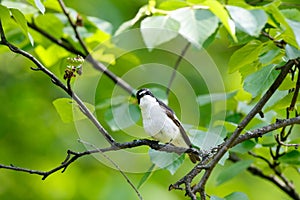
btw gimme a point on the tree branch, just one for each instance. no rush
(57, 82)
(286, 186)
(73, 156)
(257, 108)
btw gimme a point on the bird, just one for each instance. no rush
(161, 123)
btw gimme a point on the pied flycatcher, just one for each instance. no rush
(161, 123)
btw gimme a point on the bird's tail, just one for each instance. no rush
(194, 156)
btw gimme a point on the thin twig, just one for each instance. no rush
(117, 167)
(284, 144)
(57, 82)
(178, 61)
(288, 188)
(257, 108)
(74, 26)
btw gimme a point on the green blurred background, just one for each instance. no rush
(33, 136)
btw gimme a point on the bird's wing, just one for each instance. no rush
(172, 116)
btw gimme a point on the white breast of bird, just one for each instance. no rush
(158, 125)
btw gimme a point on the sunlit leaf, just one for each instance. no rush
(195, 25)
(20, 19)
(232, 171)
(245, 55)
(249, 21)
(4, 13)
(51, 55)
(69, 111)
(158, 29)
(218, 9)
(40, 6)
(172, 4)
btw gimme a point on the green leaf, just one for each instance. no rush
(40, 6)
(296, 29)
(293, 14)
(69, 111)
(249, 21)
(280, 100)
(51, 23)
(291, 158)
(114, 101)
(165, 160)
(211, 98)
(195, 25)
(232, 171)
(291, 52)
(51, 55)
(243, 147)
(128, 24)
(101, 24)
(237, 196)
(4, 13)
(146, 176)
(172, 4)
(122, 116)
(216, 198)
(158, 29)
(218, 9)
(281, 22)
(261, 80)
(245, 55)
(20, 19)
(205, 139)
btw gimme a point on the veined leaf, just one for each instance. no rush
(218, 9)
(261, 80)
(158, 29)
(245, 55)
(249, 21)
(69, 111)
(232, 171)
(195, 25)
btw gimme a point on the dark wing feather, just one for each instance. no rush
(171, 114)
